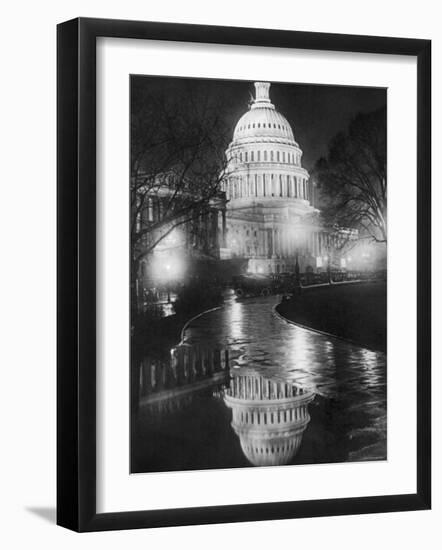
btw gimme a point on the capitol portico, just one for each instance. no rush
(272, 219)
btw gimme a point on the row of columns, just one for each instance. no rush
(269, 417)
(282, 243)
(284, 450)
(250, 387)
(268, 185)
(265, 156)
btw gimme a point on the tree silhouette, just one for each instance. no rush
(352, 180)
(177, 160)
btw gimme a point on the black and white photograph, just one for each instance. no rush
(258, 271)
(216, 331)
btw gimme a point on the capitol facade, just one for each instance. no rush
(272, 220)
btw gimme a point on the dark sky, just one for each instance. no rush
(315, 112)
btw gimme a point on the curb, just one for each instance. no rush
(187, 323)
(323, 332)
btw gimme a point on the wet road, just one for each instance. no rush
(348, 413)
(260, 340)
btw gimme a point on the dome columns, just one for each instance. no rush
(269, 417)
(267, 188)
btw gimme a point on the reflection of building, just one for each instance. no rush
(269, 418)
(271, 213)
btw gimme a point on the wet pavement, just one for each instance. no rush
(185, 418)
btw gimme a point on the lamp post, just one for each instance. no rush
(297, 267)
(168, 282)
(296, 242)
(329, 277)
(297, 276)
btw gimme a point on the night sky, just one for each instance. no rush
(315, 112)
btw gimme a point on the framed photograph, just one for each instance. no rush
(243, 274)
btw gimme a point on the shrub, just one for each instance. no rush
(196, 297)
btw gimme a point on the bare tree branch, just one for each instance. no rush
(352, 179)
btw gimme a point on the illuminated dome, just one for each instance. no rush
(269, 417)
(263, 120)
(263, 159)
(271, 216)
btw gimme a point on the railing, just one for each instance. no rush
(189, 369)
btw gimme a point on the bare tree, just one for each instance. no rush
(353, 178)
(178, 142)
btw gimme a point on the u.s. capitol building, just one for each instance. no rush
(271, 215)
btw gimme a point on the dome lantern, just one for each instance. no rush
(262, 97)
(267, 189)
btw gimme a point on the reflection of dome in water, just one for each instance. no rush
(269, 418)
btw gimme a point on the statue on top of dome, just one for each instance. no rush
(262, 96)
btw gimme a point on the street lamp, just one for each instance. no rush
(297, 275)
(167, 267)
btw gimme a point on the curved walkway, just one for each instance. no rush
(335, 369)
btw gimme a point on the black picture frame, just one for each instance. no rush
(76, 273)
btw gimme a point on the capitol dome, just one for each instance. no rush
(269, 193)
(263, 120)
(263, 159)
